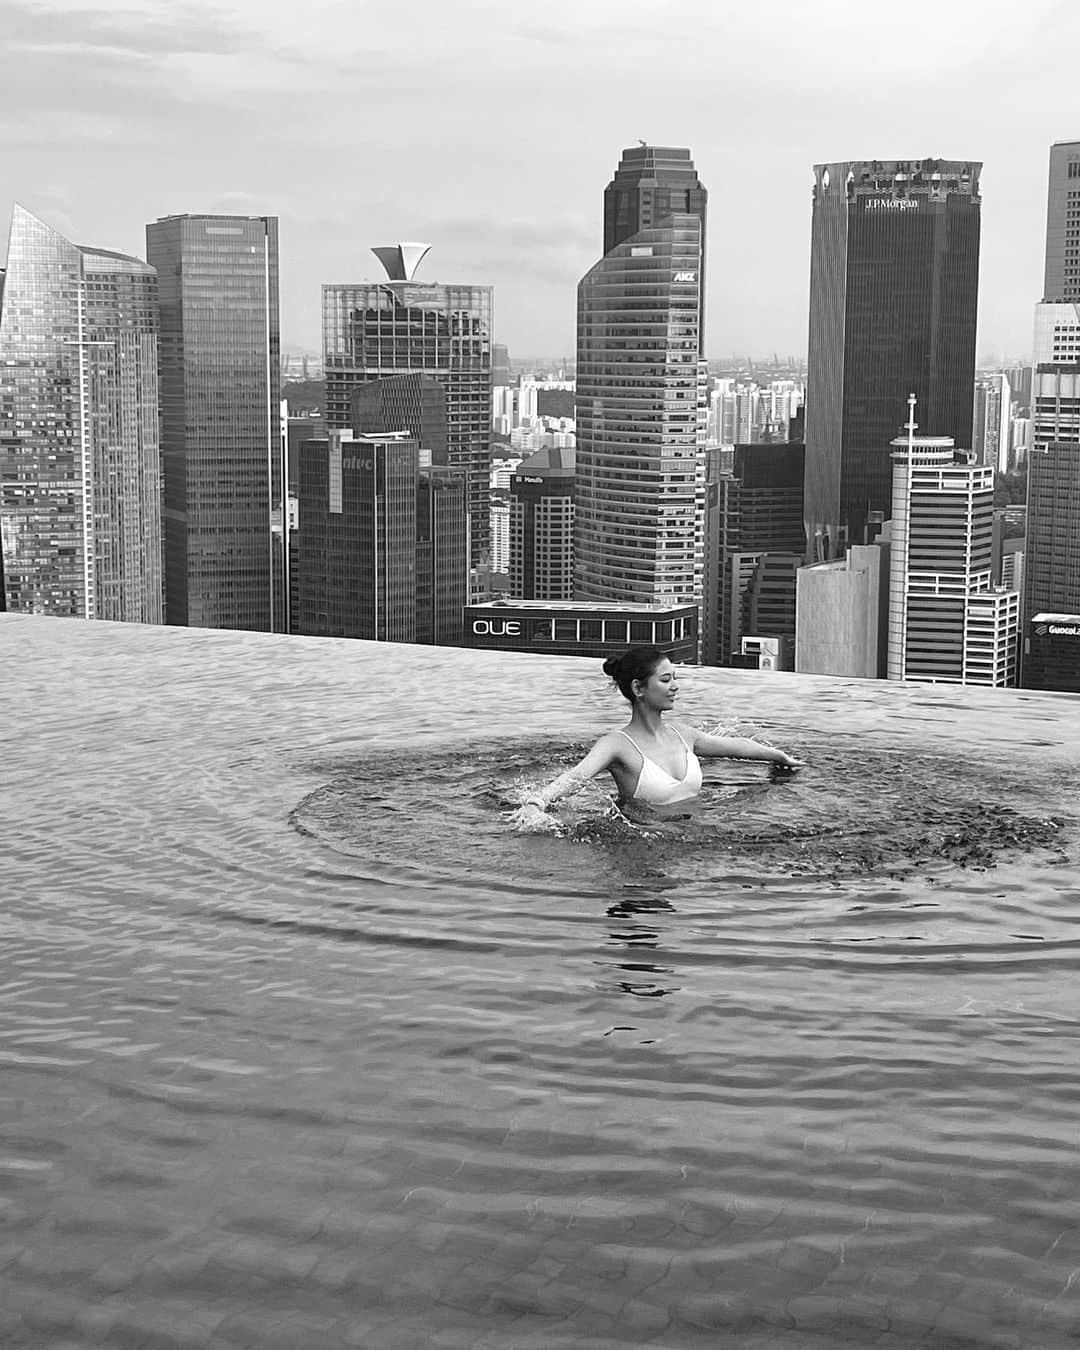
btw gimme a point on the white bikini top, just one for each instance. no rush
(656, 786)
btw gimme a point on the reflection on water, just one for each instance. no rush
(301, 1046)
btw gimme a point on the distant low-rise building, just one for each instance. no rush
(580, 628)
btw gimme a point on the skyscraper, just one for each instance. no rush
(947, 622)
(755, 539)
(894, 273)
(220, 420)
(542, 526)
(80, 471)
(1061, 278)
(358, 536)
(641, 411)
(992, 422)
(383, 544)
(1052, 561)
(375, 330)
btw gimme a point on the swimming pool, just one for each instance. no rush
(301, 1047)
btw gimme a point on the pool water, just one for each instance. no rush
(303, 1046)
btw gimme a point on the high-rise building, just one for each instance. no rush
(755, 539)
(992, 421)
(80, 467)
(383, 549)
(894, 273)
(220, 420)
(376, 330)
(1052, 562)
(542, 527)
(358, 536)
(1061, 278)
(1052, 555)
(442, 555)
(947, 622)
(417, 403)
(641, 381)
(841, 615)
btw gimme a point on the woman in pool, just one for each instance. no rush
(651, 763)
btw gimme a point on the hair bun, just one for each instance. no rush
(611, 667)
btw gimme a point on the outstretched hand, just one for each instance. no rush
(530, 818)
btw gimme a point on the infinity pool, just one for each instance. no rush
(301, 1046)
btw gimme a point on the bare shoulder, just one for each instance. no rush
(613, 745)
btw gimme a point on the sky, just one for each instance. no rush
(490, 128)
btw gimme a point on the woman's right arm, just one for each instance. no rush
(537, 803)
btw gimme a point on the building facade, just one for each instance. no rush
(357, 501)
(947, 622)
(992, 421)
(1052, 653)
(220, 420)
(80, 466)
(641, 409)
(378, 330)
(1052, 552)
(894, 274)
(754, 542)
(442, 555)
(1061, 276)
(542, 527)
(841, 614)
(581, 629)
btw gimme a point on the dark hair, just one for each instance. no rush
(637, 663)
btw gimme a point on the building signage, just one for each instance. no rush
(496, 627)
(890, 203)
(1059, 629)
(529, 479)
(358, 462)
(685, 276)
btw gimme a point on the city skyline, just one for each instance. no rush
(191, 70)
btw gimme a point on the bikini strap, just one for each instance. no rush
(686, 743)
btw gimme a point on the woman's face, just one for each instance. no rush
(660, 689)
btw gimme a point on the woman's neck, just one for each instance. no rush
(650, 721)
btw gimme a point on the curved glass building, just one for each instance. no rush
(640, 490)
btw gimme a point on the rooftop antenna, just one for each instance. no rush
(911, 426)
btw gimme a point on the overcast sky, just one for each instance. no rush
(489, 129)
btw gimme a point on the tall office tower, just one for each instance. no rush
(417, 403)
(358, 496)
(499, 521)
(894, 274)
(1061, 277)
(220, 420)
(992, 421)
(80, 469)
(641, 380)
(542, 527)
(375, 330)
(442, 555)
(500, 365)
(947, 622)
(1052, 560)
(755, 538)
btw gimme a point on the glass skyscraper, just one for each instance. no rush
(641, 413)
(80, 471)
(894, 275)
(377, 330)
(220, 420)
